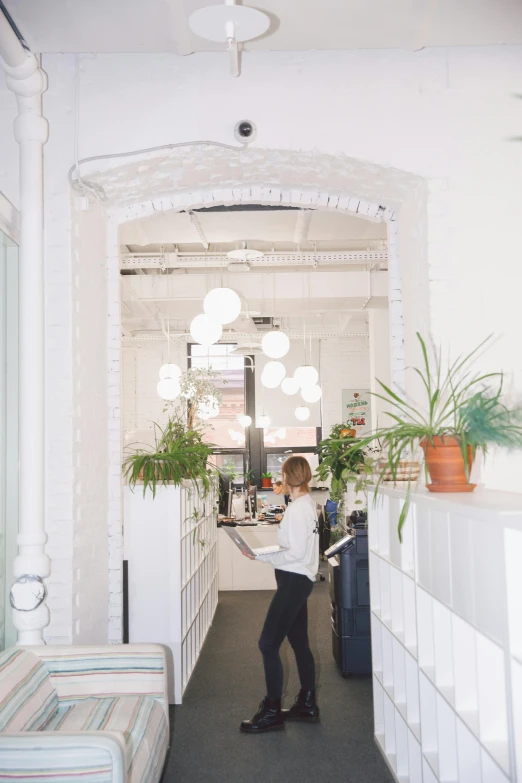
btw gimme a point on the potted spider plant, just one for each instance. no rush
(266, 480)
(344, 463)
(463, 411)
(178, 455)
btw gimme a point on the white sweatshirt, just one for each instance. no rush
(298, 534)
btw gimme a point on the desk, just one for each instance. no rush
(237, 572)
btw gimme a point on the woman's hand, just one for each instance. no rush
(247, 554)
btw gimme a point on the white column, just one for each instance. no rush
(380, 362)
(26, 79)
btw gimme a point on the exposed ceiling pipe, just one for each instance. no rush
(164, 261)
(302, 226)
(197, 225)
(28, 82)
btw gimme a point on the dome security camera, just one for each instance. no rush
(245, 131)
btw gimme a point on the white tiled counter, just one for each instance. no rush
(447, 635)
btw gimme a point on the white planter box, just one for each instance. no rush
(170, 545)
(447, 636)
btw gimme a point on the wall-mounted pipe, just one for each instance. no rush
(28, 82)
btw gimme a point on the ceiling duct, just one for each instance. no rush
(248, 348)
(263, 323)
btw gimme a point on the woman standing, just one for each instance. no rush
(295, 570)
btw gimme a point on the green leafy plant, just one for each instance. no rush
(228, 470)
(459, 403)
(179, 455)
(343, 461)
(266, 475)
(198, 392)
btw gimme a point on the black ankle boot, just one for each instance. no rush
(267, 718)
(304, 709)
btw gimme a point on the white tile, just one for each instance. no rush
(513, 554)
(446, 740)
(428, 715)
(426, 649)
(465, 672)
(468, 754)
(492, 703)
(440, 558)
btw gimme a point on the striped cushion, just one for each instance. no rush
(27, 697)
(107, 671)
(139, 719)
(56, 765)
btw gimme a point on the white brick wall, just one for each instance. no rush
(59, 356)
(428, 140)
(141, 362)
(94, 345)
(345, 364)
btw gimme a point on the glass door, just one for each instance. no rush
(8, 430)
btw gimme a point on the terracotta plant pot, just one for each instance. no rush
(266, 483)
(446, 465)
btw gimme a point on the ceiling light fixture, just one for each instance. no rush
(273, 374)
(290, 386)
(302, 413)
(231, 24)
(244, 254)
(306, 375)
(208, 410)
(222, 305)
(169, 371)
(244, 420)
(263, 421)
(311, 393)
(275, 344)
(168, 388)
(205, 330)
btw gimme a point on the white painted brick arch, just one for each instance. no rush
(193, 178)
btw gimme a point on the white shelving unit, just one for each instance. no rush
(171, 547)
(447, 636)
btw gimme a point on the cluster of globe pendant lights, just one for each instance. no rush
(275, 345)
(222, 306)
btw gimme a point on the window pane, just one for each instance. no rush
(225, 429)
(290, 436)
(274, 462)
(229, 463)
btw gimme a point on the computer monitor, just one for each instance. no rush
(225, 495)
(252, 499)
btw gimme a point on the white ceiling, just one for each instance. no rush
(161, 25)
(330, 301)
(263, 230)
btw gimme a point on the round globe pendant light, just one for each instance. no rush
(169, 371)
(302, 413)
(205, 330)
(306, 375)
(168, 388)
(208, 410)
(311, 393)
(275, 344)
(263, 421)
(222, 305)
(273, 374)
(289, 386)
(244, 420)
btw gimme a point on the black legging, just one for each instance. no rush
(287, 616)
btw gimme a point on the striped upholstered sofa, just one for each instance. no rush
(90, 714)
